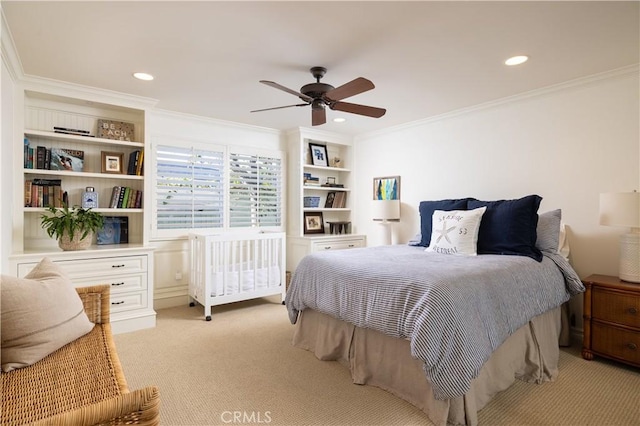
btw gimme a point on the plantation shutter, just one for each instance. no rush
(255, 191)
(189, 188)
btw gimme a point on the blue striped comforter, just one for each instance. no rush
(455, 310)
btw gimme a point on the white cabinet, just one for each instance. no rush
(129, 272)
(333, 181)
(128, 268)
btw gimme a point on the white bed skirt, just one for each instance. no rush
(530, 354)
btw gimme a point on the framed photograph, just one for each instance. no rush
(313, 223)
(386, 188)
(331, 196)
(319, 156)
(112, 162)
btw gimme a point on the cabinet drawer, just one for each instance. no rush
(118, 283)
(336, 245)
(616, 307)
(106, 266)
(127, 302)
(616, 342)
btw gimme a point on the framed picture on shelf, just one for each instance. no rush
(313, 223)
(112, 162)
(319, 156)
(331, 196)
(386, 188)
(114, 231)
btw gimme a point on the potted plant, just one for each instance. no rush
(72, 227)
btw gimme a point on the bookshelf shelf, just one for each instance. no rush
(82, 174)
(81, 139)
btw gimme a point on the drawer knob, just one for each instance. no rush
(632, 311)
(117, 284)
(327, 248)
(117, 303)
(352, 245)
(632, 346)
(117, 266)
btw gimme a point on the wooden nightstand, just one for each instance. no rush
(611, 319)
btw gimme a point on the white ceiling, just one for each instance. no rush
(425, 58)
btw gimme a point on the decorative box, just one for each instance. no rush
(311, 201)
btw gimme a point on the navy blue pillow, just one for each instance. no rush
(426, 215)
(509, 226)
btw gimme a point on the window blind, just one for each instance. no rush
(255, 190)
(189, 188)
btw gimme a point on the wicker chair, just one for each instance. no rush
(81, 383)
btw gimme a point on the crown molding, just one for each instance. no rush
(8, 50)
(570, 84)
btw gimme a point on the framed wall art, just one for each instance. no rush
(319, 156)
(386, 188)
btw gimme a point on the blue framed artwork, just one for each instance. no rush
(386, 188)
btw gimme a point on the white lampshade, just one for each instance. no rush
(620, 209)
(623, 209)
(386, 209)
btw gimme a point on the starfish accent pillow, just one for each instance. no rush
(455, 231)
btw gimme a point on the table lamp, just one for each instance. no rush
(384, 211)
(623, 209)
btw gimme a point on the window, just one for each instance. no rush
(205, 187)
(189, 188)
(255, 191)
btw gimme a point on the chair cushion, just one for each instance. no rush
(40, 313)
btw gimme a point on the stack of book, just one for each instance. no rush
(336, 200)
(44, 193)
(44, 158)
(124, 197)
(136, 161)
(310, 180)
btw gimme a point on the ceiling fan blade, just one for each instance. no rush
(318, 116)
(286, 106)
(286, 89)
(352, 88)
(359, 109)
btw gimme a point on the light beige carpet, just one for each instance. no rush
(240, 368)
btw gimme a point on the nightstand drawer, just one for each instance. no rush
(616, 307)
(336, 245)
(616, 342)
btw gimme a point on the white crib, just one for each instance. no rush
(228, 268)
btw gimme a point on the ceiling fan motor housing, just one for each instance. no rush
(315, 90)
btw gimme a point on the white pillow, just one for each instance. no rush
(455, 231)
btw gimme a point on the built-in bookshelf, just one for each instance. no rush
(63, 155)
(319, 192)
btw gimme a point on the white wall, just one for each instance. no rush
(567, 144)
(6, 158)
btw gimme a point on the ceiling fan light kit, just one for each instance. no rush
(320, 95)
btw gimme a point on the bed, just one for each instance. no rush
(444, 332)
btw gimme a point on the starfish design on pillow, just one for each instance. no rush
(444, 231)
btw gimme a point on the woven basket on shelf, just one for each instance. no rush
(76, 243)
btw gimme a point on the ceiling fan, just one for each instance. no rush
(320, 95)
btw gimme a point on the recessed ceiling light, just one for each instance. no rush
(516, 60)
(143, 76)
(339, 120)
